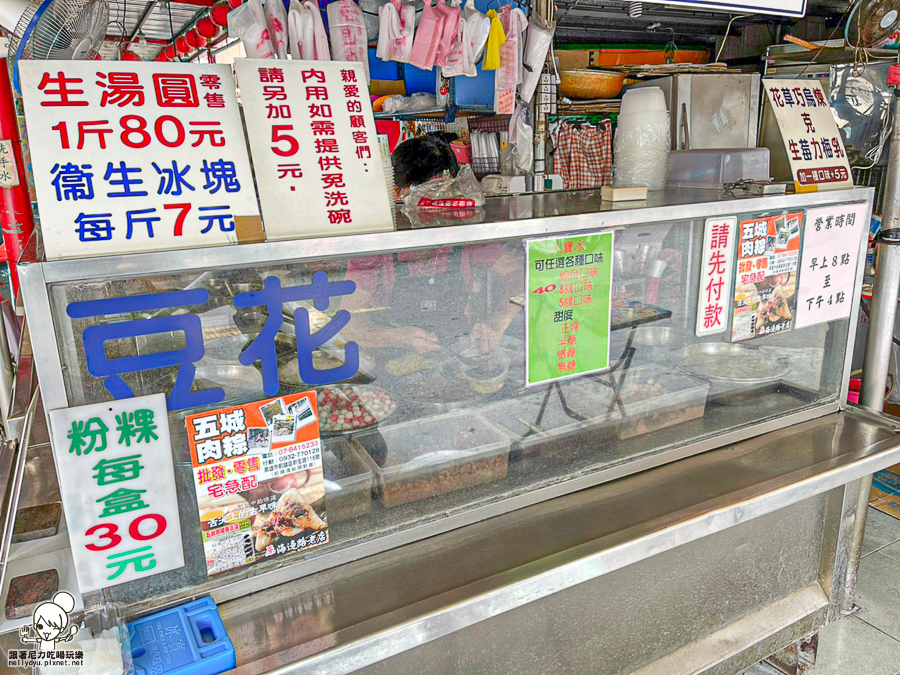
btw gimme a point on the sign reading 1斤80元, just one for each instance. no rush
(134, 157)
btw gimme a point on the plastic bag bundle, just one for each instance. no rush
(248, 22)
(428, 34)
(521, 138)
(496, 37)
(537, 44)
(395, 34)
(479, 27)
(447, 192)
(449, 32)
(348, 33)
(471, 34)
(276, 22)
(306, 30)
(509, 74)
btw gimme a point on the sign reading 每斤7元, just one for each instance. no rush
(132, 157)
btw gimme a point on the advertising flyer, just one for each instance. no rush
(568, 303)
(258, 476)
(766, 277)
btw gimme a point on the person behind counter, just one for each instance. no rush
(422, 299)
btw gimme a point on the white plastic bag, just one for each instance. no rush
(348, 33)
(248, 22)
(395, 34)
(521, 139)
(461, 60)
(537, 44)
(276, 22)
(479, 27)
(307, 36)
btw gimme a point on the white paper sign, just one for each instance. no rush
(829, 261)
(135, 156)
(814, 146)
(314, 146)
(9, 172)
(770, 7)
(716, 276)
(114, 462)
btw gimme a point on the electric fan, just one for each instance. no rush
(52, 29)
(871, 22)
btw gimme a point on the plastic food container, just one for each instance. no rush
(348, 481)
(557, 431)
(434, 456)
(654, 397)
(711, 168)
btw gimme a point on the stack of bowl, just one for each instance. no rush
(642, 139)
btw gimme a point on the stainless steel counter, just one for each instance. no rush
(775, 508)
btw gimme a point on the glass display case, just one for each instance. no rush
(415, 344)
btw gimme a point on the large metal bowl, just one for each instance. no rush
(732, 363)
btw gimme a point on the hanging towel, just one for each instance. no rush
(428, 34)
(584, 157)
(448, 33)
(395, 31)
(496, 37)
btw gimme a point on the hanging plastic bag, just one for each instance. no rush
(276, 22)
(348, 33)
(395, 34)
(449, 32)
(320, 37)
(306, 32)
(537, 44)
(461, 60)
(509, 74)
(248, 22)
(496, 38)
(521, 139)
(478, 27)
(428, 34)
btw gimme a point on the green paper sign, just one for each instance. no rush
(568, 303)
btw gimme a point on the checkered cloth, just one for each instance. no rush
(583, 156)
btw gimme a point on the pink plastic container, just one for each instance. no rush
(462, 150)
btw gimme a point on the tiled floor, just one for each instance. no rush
(869, 641)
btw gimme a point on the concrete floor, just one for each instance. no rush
(868, 642)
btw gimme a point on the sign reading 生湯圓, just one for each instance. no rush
(315, 148)
(568, 286)
(814, 147)
(258, 476)
(829, 262)
(114, 462)
(132, 157)
(768, 254)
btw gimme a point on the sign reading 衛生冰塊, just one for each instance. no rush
(815, 149)
(132, 157)
(314, 146)
(568, 286)
(114, 462)
(829, 262)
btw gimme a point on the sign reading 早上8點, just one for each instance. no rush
(134, 157)
(114, 462)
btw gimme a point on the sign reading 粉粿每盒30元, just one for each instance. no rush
(114, 462)
(132, 157)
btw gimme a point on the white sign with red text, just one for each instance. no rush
(829, 263)
(815, 149)
(314, 146)
(716, 277)
(132, 157)
(114, 462)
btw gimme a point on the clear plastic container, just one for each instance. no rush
(348, 481)
(712, 168)
(409, 466)
(642, 100)
(538, 423)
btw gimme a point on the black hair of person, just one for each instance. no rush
(421, 159)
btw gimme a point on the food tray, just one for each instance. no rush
(681, 398)
(326, 417)
(560, 432)
(422, 459)
(348, 481)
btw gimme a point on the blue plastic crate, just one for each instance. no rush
(382, 70)
(418, 80)
(479, 90)
(185, 640)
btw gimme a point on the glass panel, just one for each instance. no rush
(441, 334)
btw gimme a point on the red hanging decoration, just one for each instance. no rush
(129, 55)
(182, 46)
(162, 56)
(219, 13)
(207, 28)
(235, 3)
(169, 51)
(194, 39)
